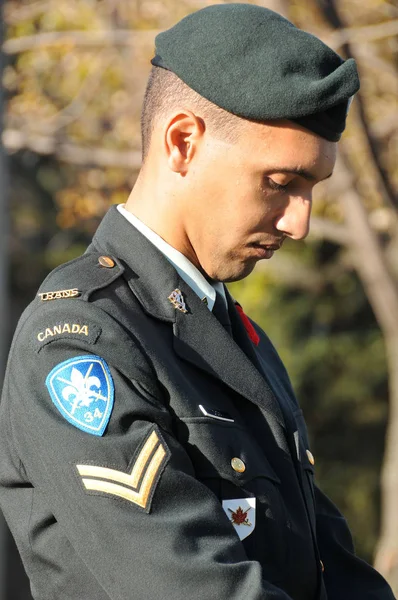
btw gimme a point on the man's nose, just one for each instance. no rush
(294, 221)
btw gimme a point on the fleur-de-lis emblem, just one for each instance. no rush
(82, 390)
(79, 390)
(239, 516)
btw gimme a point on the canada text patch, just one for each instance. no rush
(88, 332)
(82, 390)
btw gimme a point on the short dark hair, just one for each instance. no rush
(165, 91)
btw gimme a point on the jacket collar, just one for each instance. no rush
(187, 271)
(198, 336)
(149, 274)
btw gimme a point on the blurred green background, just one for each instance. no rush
(73, 77)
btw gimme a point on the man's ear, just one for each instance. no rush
(183, 134)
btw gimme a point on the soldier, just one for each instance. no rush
(152, 446)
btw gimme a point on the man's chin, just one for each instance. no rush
(235, 274)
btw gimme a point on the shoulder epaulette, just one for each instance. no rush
(80, 277)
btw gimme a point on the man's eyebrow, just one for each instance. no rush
(301, 172)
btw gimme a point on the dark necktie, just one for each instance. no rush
(220, 311)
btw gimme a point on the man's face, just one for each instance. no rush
(245, 198)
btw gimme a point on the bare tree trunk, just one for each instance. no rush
(386, 560)
(3, 294)
(382, 293)
(14, 584)
(380, 285)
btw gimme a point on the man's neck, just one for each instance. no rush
(159, 212)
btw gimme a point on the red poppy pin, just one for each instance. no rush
(251, 332)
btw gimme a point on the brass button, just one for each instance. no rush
(106, 261)
(310, 457)
(322, 566)
(238, 465)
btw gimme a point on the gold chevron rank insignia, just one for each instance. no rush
(139, 483)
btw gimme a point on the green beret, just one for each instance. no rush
(254, 63)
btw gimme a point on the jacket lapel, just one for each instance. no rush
(264, 358)
(201, 340)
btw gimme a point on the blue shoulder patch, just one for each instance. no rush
(82, 390)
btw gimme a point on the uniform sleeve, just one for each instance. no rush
(346, 576)
(126, 497)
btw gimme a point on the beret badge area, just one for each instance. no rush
(256, 64)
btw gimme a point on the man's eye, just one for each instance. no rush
(276, 186)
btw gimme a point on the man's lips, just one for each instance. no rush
(265, 250)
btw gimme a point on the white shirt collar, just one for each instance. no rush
(186, 270)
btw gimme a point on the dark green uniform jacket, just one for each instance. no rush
(147, 499)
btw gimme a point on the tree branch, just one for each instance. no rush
(331, 12)
(368, 255)
(361, 35)
(113, 37)
(328, 230)
(293, 273)
(385, 125)
(371, 57)
(77, 106)
(15, 140)
(14, 15)
(279, 6)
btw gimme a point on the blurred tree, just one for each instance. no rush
(3, 285)
(369, 158)
(75, 78)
